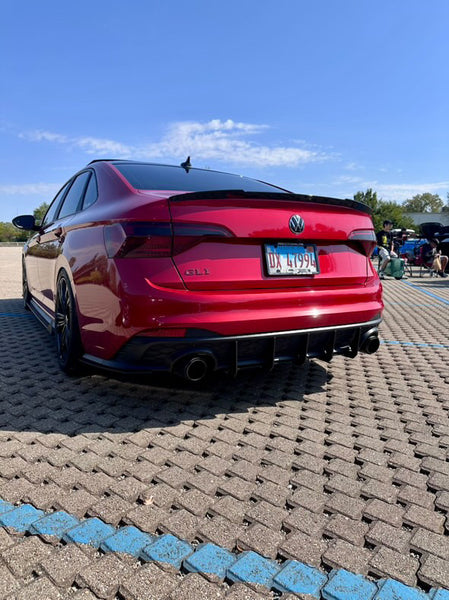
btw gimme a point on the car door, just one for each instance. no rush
(53, 236)
(34, 251)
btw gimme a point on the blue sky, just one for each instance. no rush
(322, 97)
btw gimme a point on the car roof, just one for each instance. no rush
(121, 161)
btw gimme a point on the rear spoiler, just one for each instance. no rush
(287, 196)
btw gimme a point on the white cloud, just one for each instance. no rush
(225, 144)
(403, 191)
(225, 141)
(90, 145)
(216, 125)
(349, 179)
(397, 192)
(352, 166)
(30, 189)
(39, 135)
(102, 146)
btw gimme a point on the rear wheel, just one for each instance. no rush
(68, 340)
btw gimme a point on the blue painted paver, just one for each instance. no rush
(168, 549)
(253, 568)
(129, 540)
(298, 578)
(394, 590)
(211, 559)
(55, 524)
(21, 518)
(92, 532)
(6, 506)
(439, 594)
(343, 585)
(248, 567)
(413, 344)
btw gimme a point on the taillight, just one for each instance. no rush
(138, 240)
(366, 238)
(157, 240)
(187, 235)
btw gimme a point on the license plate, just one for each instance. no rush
(291, 259)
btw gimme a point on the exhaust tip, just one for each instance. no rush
(371, 345)
(370, 342)
(194, 368)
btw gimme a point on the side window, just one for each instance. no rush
(91, 192)
(74, 195)
(53, 209)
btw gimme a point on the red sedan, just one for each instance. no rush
(146, 267)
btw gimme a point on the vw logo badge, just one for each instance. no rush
(296, 224)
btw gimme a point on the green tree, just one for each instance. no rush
(394, 212)
(383, 210)
(9, 233)
(424, 203)
(40, 211)
(446, 206)
(369, 197)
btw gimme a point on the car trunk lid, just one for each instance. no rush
(231, 239)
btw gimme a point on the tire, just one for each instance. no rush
(25, 290)
(68, 341)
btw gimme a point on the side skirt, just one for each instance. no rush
(43, 317)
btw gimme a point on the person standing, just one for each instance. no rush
(385, 245)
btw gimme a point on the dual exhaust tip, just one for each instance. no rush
(195, 368)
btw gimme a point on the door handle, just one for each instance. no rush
(59, 233)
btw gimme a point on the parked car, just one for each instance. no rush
(146, 267)
(410, 249)
(438, 231)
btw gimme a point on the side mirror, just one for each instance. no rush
(27, 222)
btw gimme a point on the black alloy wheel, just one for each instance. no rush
(68, 341)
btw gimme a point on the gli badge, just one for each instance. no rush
(198, 272)
(296, 224)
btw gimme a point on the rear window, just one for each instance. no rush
(159, 177)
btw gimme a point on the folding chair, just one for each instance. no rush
(425, 266)
(407, 264)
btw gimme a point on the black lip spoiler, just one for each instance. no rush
(288, 197)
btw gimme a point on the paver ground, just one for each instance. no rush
(343, 464)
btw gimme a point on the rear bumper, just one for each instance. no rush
(109, 320)
(233, 353)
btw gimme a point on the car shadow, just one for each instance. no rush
(36, 396)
